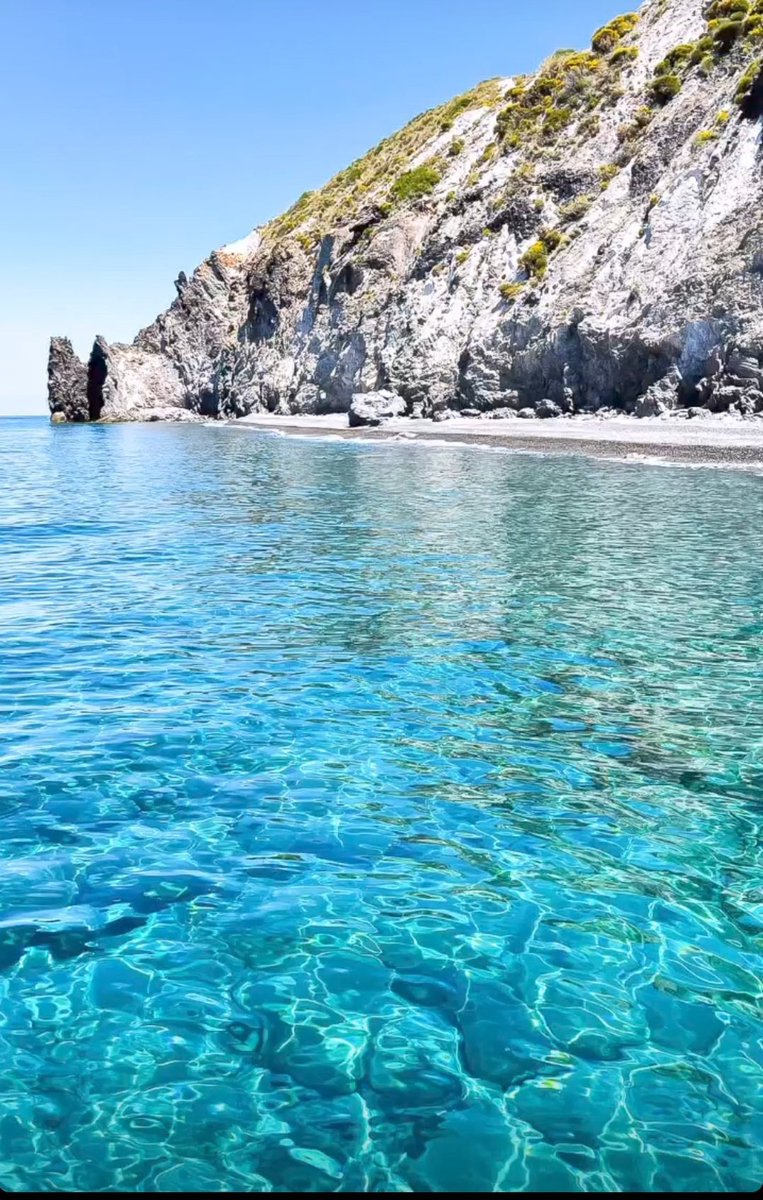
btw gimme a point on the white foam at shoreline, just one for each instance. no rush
(565, 447)
(714, 432)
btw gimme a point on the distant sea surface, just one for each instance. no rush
(376, 816)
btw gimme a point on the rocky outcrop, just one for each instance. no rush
(660, 397)
(126, 384)
(587, 238)
(118, 384)
(67, 383)
(733, 383)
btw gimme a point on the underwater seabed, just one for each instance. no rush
(376, 817)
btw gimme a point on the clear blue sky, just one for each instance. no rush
(137, 135)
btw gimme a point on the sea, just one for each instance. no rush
(376, 816)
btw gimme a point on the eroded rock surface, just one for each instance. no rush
(67, 382)
(586, 238)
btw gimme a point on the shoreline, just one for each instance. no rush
(712, 441)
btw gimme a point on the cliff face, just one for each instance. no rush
(587, 237)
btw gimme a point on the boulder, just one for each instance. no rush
(660, 396)
(746, 405)
(720, 398)
(567, 402)
(744, 397)
(374, 408)
(546, 408)
(649, 406)
(526, 413)
(745, 367)
(733, 381)
(168, 413)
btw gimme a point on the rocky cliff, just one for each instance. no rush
(584, 238)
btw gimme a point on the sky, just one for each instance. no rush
(138, 135)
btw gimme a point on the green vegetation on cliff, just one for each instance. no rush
(535, 118)
(385, 173)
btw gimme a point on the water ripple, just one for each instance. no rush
(376, 817)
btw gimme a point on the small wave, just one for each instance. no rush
(660, 460)
(567, 447)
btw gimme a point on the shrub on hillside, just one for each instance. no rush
(418, 182)
(575, 209)
(552, 238)
(725, 34)
(535, 260)
(606, 38)
(676, 58)
(622, 55)
(511, 291)
(725, 8)
(749, 82)
(664, 88)
(607, 171)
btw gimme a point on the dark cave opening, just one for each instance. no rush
(96, 377)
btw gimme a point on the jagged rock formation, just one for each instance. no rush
(585, 238)
(67, 383)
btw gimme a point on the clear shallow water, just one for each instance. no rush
(376, 817)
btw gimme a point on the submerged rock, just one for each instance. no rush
(588, 237)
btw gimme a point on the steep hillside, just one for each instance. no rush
(587, 237)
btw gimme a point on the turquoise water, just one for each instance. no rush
(376, 817)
